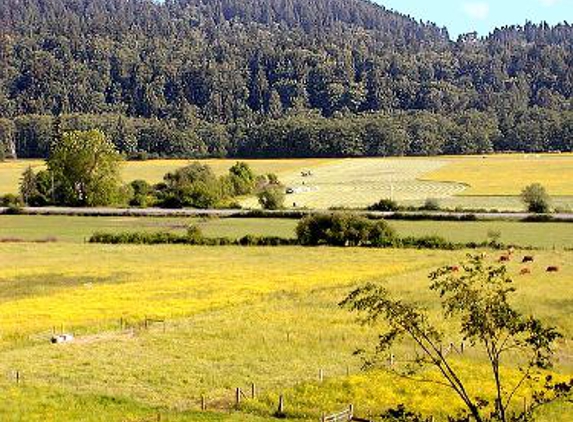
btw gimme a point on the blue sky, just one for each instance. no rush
(461, 16)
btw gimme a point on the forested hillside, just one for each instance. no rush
(194, 78)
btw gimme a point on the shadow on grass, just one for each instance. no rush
(50, 284)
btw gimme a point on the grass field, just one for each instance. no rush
(234, 316)
(507, 175)
(492, 182)
(78, 229)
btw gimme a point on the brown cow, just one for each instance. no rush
(525, 271)
(504, 258)
(527, 259)
(454, 269)
(553, 269)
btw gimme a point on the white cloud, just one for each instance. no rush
(479, 10)
(549, 3)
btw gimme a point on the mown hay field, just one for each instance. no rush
(233, 316)
(79, 229)
(490, 182)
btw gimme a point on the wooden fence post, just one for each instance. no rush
(281, 408)
(320, 375)
(17, 377)
(323, 417)
(392, 359)
(350, 412)
(203, 403)
(238, 397)
(253, 391)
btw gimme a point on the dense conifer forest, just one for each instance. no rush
(276, 78)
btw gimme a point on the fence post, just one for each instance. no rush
(323, 417)
(281, 408)
(525, 408)
(391, 359)
(462, 347)
(350, 412)
(238, 397)
(17, 377)
(203, 403)
(320, 375)
(253, 390)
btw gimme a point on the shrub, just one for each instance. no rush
(343, 230)
(11, 201)
(431, 204)
(139, 156)
(194, 235)
(429, 242)
(142, 194)
(272, 197)
(536, 199)
(384, 205)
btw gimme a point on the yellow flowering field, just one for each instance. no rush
(76, 285)
(233, 316)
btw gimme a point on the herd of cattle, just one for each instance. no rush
(527, 259)
(508, 257)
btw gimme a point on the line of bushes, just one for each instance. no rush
(340, 230)
(166, 238)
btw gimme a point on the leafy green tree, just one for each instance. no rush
(242, 178)
(272, 197)
(28, 188)
(536, 198)
(478, 297)
(142, 193)
(193, 186)
(45, 189)
(85, 167)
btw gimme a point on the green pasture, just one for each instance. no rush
(233, 316)
(79, 229)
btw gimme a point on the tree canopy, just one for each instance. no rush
(194, 78)
(85, 169)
